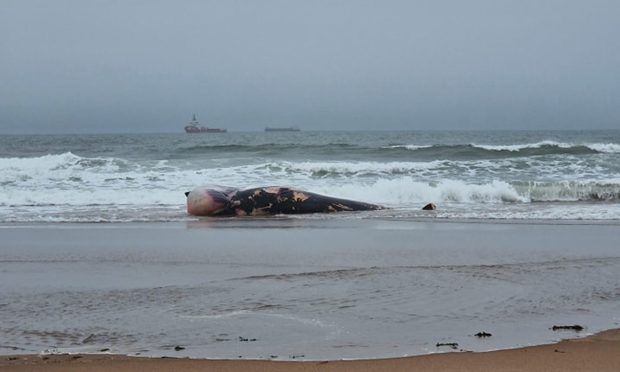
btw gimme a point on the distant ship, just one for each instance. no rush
(285, 129)
(195, 127)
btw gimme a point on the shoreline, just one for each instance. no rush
(300, 223)
(598, 352)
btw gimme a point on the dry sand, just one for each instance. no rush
(600, 352)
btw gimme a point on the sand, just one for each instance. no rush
(117, 270)
(600, 352)
(334, 289)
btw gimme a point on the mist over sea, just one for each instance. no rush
(555, 175)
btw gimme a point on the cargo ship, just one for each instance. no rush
(194, 127)
(285, 129)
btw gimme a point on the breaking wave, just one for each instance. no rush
(608, 148)
(395, 151)
(409, 192)
(537, 148)
(68, 187)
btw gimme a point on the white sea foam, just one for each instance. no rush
(409, 147)
(523, 146)
(407, 191)
(599, 147)
(609, 148)
(350, 168)
(571, 190)
(41, 162)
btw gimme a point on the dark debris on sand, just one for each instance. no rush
(576, 328)
(453, 345)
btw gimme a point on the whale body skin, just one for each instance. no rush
(262, 201)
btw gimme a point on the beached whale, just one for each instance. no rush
(225, 201)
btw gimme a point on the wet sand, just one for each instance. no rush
(300, 289)
(600, 352)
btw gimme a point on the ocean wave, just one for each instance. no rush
(560, 191)
(68, 187)
(409, 192)
(264, 148)
(495, 199)
(519, 147)
(400, 191)
(70, 179)
(409, 147)
(54, 162)
(72, 170)
(340, 169)
(609, 148)
(480, 170)
(538, 148)
(400, 152)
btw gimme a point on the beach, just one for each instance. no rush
(596, 353)
(290, 289)
(309, 186)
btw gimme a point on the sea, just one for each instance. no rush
(98, 254)
(499, 175)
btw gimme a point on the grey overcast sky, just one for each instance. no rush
(145, 66)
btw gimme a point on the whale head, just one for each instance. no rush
(207, 202)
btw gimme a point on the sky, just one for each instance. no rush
(108, 66)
